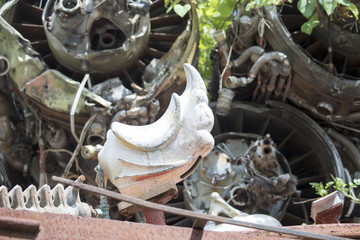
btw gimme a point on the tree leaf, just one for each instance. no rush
(306, 7)
(329, 6)
(258, 3)
(182, 10)
(352, 7)
(272, 2)
(344, 2)
(172, 5)
(319, 188)
(308, 26)
(249, 6)
(356, 181)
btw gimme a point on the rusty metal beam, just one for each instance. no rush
(18, 228)
(190, 214)
(24, 224)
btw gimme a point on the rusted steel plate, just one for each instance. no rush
(18, 227)
(350, 230)
(45, 226)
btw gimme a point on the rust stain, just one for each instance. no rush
(141, 178)
(37, 86)
(50, 226)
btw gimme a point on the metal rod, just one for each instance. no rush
(188, 213)
(74, 106)
(79, 145)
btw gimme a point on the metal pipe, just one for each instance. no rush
(254, 50)
(274, 75)
(224, 101)
(42, 164)
(74, 106)
(79, 145)
(97, 131)
(136, 112)
(352, 149)
(263, 59)
(220, 37)
(354, 116)
(280, 86)
(285, 72)
(104, 205)
(233, 82)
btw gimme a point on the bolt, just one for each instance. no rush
(96, 127)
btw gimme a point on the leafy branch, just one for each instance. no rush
(309, 8)
(216, 15)
(340, 185)
(179, 9)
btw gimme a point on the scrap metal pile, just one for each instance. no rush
(90, 85)
(308, 88)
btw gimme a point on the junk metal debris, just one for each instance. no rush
(327, 209)
(264, 58)
(248, 171)
(188, 213)
(220, 207)
(145, 161)
(51, 124)
(285, 108)
(56, 200)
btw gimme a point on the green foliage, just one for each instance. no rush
(354, 10)
(340, 185)
(320, 189)
(263, 3)
(182, 10)
(216, 15)
(179, 9)
(2, 2)
(308, 26)
(308, 8)
(349, 6)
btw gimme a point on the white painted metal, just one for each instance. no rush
(144, 161)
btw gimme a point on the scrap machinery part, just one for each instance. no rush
(56, 200)
(219, 207)
(70, 68)
(321, 72)
(310, 153)
(317, 73)
(303, 144)
(96, 36)
(146, 161)
(325, 64)
(171, 41)
(247, 171)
